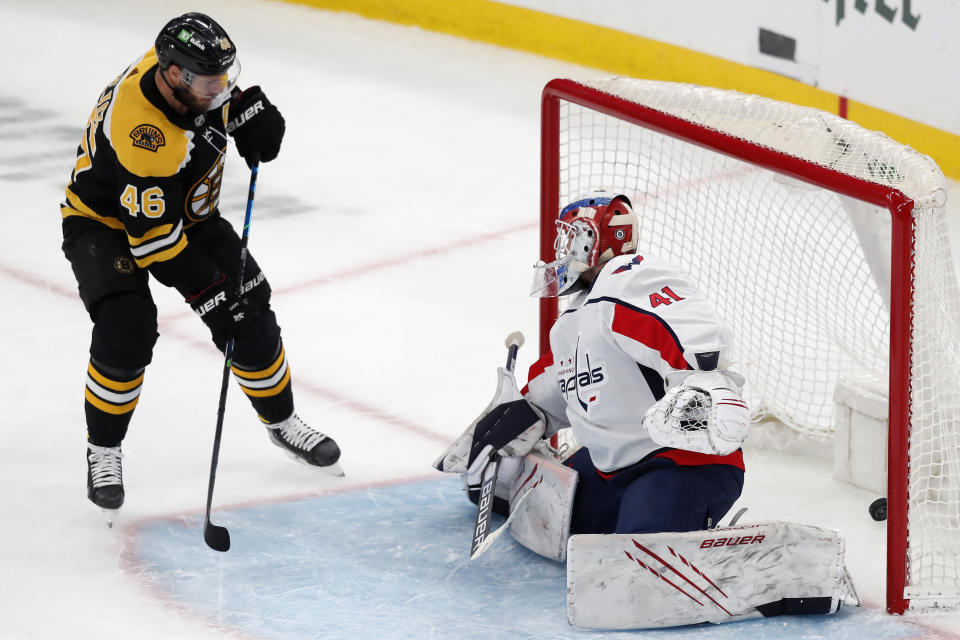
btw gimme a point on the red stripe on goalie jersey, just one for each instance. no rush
(536, 369)
(651, 331)
(687, 459)
(694, 459)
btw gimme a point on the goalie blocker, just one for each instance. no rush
(509, 427)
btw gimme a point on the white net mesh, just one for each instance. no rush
(934, 486)
(802, 274)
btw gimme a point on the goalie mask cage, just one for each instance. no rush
(824, 246)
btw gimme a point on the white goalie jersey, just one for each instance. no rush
(611, 351)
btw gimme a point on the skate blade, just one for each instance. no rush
(110, 515)
(331, 469)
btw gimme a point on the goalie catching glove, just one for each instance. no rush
(702, 411)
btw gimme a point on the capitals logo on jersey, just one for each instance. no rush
(581, 376)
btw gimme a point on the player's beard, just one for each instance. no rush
(194, 104)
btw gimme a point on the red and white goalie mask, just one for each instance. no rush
(590, 231)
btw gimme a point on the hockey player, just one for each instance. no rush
(636, 340)
(637, 331)
(142, 203)
(636, 370)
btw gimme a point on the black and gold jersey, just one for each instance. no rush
(151, 173)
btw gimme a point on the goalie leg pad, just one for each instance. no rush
(646, 581)
(541, 521)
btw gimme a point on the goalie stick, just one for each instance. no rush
(481, 527)
(491, 537)
(217, 537)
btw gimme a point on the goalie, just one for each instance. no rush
(636, 371)
(633, 371)
(638, 339)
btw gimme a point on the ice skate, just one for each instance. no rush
(306, 445)
(105, 479)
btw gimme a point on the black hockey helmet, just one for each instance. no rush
(195, 42)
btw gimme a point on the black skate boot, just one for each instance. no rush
(105, 479)
(305, 445)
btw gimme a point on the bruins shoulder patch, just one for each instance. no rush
(147, 136)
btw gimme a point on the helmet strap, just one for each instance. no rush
(163, 76)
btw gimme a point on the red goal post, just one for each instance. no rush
(769, 205)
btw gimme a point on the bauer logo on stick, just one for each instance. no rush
(483, 520)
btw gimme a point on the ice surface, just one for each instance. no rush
(392, 562)
(397, 228)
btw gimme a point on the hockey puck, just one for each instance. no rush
(878, 509)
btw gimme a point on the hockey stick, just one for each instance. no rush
(493, 535)
(481, 527)
(217, 537)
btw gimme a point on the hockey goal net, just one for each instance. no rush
(824, 246)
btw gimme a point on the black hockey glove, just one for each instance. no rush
(256, 126)
(227, 314)
(510, 429)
